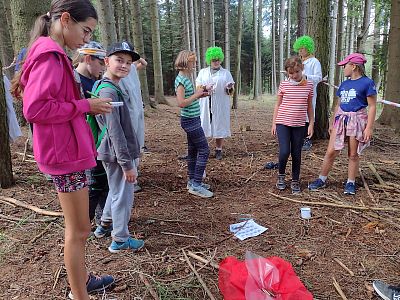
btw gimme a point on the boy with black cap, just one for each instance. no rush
(118, 150)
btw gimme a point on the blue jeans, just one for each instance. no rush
(198, 150)
(290, 142)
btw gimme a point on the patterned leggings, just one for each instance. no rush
(198, 150)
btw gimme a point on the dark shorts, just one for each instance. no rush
(71, 182)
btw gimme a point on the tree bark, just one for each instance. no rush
(318, 22)
(332, 51)
(108, 34)
(362, 37)
(377, 47)
(255, 53)
(288, 28)
(339, 52)
(391, 115)
(226, 35)
(281, 39)
(156, 45)
(302, 17)
(273, 62)
(197, 34)
(118, 17)
(238, 53)
(139, 46)
(126, 12)
(260, 38)
(6, 174)
(6, 46)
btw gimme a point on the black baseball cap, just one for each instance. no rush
(124, 47)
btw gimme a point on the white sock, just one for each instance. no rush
(323, 178)
(351, 181)
(218, 148)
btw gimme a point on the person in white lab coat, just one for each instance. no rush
(305, 47)
(215, 109)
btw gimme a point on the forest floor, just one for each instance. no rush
(365, 241)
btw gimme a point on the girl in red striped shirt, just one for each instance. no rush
(289, 119)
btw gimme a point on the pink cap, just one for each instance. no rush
(356, 58)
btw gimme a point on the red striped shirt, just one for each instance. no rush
(293, 109)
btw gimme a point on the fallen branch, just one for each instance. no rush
(41, 233)
(31, 207)
(180, 234)
(15, 219)
(203, 260)
(57, 276)
(337, 205)
(343, 266)
(339, 289)
(366, 186)
(149, 287)
(372, 167)
(198, 277)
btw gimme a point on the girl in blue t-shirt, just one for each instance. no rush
(351, 120)
(187, 98)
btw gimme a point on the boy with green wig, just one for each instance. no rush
(305, 47)
(215, 109)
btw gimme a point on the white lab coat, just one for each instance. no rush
(219, 126)
(131, 86)
(14, 130)
(313, 71)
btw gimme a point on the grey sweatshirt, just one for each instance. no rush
(120, 143)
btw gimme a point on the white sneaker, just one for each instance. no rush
(200, 191)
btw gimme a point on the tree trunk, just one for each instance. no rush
(156, 45)
(126, 12)
(238, 53)
(139, 46)
(192, 28)
(187, 25)
(339, 52)
(6, 174)
(391, 115)
(197, 34)
(260, 38)
(362, 37)
(281, 40)
(255, 53)
(273, 62)
(288, 28)
(318, 22)
(384, 58)
(226, 35)
(302, 17)
(212, 23)
(6, 46)
(332, 51)
(118, 17)
(377, 48)
(108, 34)
(8, 17)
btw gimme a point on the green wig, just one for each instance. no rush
(305, 42)
(214, 53)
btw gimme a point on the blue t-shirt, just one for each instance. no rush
(87, 85)
(353, 93)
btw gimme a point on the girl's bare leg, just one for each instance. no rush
(330, 155)
(218, 143)
(354, 159)
(75, 206)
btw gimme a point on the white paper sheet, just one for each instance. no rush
(246, 229)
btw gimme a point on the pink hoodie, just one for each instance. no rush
(62, 140)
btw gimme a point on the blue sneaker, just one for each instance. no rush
(96, 284)
(204, 185)
(316, 184)
(385, 291)
(200, 191)
(102, 231)
(350, 188)
(130, 244)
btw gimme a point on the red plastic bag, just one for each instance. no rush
(259, 278)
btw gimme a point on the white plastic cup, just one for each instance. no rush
(305, 213)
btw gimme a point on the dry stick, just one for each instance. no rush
(25, 155)
(198, 277)
(15, 219)
(337, 205)
(148, 285)
(31, 207)
(180, 234)
(343, 266)
(203, 260)
(41, 233)
(248, 179)
(8, 203)
(371, 166)
(366, 186)
(57, 276)
(339, 289)
(25, 149)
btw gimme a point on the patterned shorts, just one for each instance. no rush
(71, 182)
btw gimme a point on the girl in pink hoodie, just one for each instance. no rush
(62, 141)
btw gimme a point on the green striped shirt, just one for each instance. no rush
(192, 110)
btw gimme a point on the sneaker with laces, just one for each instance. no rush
(204, 185)
(316, 184)
(129, 244)
(137, 188)
(102, 231)
(350, 189)
(218, 154)
(295, 186)
(385, 291)
(96, 284)
(307, 144)
(200, 191)
(280, 183)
